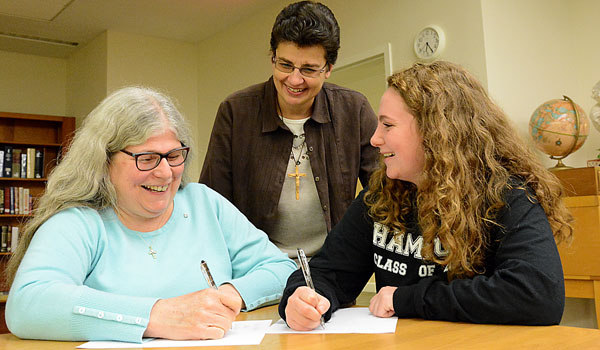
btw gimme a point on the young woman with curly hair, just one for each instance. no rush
(459, 223)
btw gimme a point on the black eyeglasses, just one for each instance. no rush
(287, 67)
(145, 161)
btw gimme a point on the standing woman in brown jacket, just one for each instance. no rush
(289, 152)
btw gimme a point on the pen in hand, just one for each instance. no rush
(306, 272)
(207, 275)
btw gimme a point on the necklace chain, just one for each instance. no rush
(300, 147)
(150, 250)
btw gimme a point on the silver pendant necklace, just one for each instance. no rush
(150, 250)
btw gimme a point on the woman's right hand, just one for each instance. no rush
(205, 314)
(304, 309)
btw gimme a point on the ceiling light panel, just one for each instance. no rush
(40, 10)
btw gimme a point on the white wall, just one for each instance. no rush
(32, 84)
(368, 24)
(167, 65)
(229, 61)
(86, 78)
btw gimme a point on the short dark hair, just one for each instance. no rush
(307, 23)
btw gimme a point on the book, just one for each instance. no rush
(2, 162)
(14, 239)
(7, 172)
(1, 200)
(17, 200)
(30, 163)
(593, 163)
(39, 164)
(22, 200)
(4, 239)
(26, 200)
(23, 165)
(16, 162)
(7, 200)
(9, 239)
(12, 201)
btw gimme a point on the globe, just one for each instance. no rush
(595, 116)
(558, 128)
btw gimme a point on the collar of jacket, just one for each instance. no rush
(271, 120)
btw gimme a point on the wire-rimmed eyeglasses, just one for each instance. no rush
(146, 161)
(287, 67)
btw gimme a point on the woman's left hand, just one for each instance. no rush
(382, 304)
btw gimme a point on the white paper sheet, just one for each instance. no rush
(350, 320)
(241, 333)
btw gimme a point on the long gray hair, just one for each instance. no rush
(128, 116)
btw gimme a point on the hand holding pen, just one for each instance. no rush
(224, 288)
(306, 272)
(207, 313)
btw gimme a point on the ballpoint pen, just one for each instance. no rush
(306, 272)
(207, 275)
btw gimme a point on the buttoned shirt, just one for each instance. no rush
(249, 150)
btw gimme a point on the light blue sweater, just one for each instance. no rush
(86, 276)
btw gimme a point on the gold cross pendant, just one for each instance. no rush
(297, 176)
(152, 252)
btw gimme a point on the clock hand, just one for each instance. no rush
(427, 44)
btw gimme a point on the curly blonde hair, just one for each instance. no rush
(471, 154)
(128, 116)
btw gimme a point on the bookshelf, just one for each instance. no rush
(48, 135)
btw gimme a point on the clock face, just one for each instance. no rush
(429, 42)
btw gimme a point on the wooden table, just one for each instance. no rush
(410, 334)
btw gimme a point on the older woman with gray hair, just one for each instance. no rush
(114, 248)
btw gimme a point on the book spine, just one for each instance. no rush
(7, 200)
(39, 164)
(1, 200)
(24, 165)
(15, 238)
(4, 239)
(16, 162)
(7, 161)
(2, 162)
(22, 200)
(9, 239)
(26, 208)
(12, 200)
(17, 200)
(30, 163)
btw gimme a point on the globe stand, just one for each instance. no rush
(559, 165)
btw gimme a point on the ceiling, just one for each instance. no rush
(56, 28)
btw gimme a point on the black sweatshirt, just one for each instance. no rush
(522, 283)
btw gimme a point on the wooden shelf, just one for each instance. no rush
(43, 179)
(37, 144)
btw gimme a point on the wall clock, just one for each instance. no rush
(430, 42)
